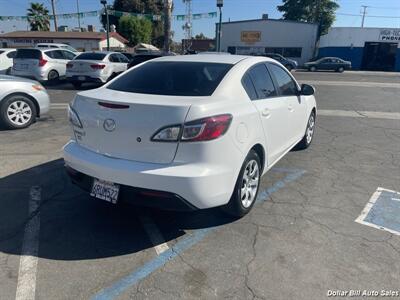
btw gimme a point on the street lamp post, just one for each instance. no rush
(220, 4)
(104, 2)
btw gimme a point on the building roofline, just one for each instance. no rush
(265, 20)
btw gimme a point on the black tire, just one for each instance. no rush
(112, 76)
(235, 206)
(53, 76)
(306, 142)
(340, 70)
(289, 67)
(312, 69)
(77, 85)
(11, 122)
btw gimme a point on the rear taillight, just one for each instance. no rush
(42, 62)
(98, 66)
(69, 66)
(205, 129)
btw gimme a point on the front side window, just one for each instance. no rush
(68, 55)
(56, 54)
(286, 85)
(262, 81)
(173, 78)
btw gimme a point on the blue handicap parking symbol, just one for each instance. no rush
(382, 211)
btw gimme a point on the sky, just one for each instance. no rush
(380, 13)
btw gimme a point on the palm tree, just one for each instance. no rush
(38, 17)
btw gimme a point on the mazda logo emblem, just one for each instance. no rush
(109, 125)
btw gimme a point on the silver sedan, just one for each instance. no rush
(21, 101)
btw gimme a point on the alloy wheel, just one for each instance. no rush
(19, 112)
(250, 181)
(310, 129)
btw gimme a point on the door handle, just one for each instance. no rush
(266, 113)
(290, 108)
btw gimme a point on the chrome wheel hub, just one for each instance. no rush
(250, 180)
(310, 129)
(19, 113)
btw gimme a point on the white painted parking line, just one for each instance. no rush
(353, 83)
(26, 285)
(154, 234)
(359, 114)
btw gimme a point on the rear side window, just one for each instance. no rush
(172, 78)
(11, 54)
(262, 81)
(91, 56)
(286, 84)
(29, 53)
(1, 52)
(56, 54)
(249, 87)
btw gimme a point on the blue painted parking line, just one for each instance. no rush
(185, 243)
(382, 211)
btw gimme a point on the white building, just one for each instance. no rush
(375, 49)
(82, 41)
(256, 37)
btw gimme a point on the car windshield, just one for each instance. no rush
(1, 51)
(28, 53)
(173, 78)
(91, 56)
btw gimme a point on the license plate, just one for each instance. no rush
(82, 78)
(104, 190)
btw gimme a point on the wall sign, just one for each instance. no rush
(250, 37)
(389, 35)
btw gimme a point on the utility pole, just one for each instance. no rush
(220, 4)
(363, 14)
(53, 6)
(104, 2)
(167, 24)
(79, 17)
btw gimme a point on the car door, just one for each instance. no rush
(326, 64)
(272, 110)
(122, 62)
(296, 105)
(58, 61)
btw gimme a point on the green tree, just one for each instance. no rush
(38, 17)
(153, 7)
(135, 30)
(321, 12)
(200, 36)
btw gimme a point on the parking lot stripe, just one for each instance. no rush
(154, 234)
(360, 114)
(26, 285)
(185, 243)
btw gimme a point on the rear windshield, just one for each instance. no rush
(91, 56)
(172, 78)
(29, 53)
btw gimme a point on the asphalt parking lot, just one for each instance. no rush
(299, 242)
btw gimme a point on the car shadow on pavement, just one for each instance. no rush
(74, 226)
(63, 85)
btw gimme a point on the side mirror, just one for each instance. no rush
(307, 90)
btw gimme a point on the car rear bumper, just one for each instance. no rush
(87, 78)
(33, 74)
(200, 185)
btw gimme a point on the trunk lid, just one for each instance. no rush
(83, 66)
(135, 124)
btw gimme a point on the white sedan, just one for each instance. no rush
(188, 132)
(21, 101)
(97, 67)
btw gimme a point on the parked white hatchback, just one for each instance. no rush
(194, 131)
(97, 67)
(6, 60)
(41, 64)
